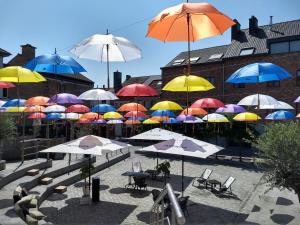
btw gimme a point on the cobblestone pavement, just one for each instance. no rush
(126, 206)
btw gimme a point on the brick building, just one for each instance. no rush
(56, 83)
(276, 43)
(3, 54)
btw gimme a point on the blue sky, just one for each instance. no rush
(49, 24)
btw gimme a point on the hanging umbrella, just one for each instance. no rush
(137, 118)
(160, 118)
(246, 117)
(171, 121)
(14, 103)
(106, 48)
(182, 118)
(168, 113)
(297, 100)
(215, 118)
(84, 121)
(37, 115)
(55, 116)
(77, 109)
(207, 103)
(35, 108)
(281, 105)
(280, 115)
(15, 109)
(103, 108)
(166, 105)
(99, 121)
(197, 120)
(231, 108)
(150, 121)
(2, 103)
(97, 95)
(136, 90)
(114, 121)
(37, 100)
(54, 108)
(91, 116)
(18, 74)
(253, 100)
(193, 111)
(136, 114)
(112, 115)
(72, 116)
(132, 106)
(6, 85)
(64, 98)
(132, 122)
(54, 63)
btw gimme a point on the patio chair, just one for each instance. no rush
(183, 204)
(226, 187)
(137, 166)
(203, 178)
(139, 183)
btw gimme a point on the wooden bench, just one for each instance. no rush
(33, 172)
(46, 180)
(60, 189)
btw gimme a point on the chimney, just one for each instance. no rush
(117, 80)
(253, 25)
(28, 51)
(127, 77)
(271, 22)
(235, 30)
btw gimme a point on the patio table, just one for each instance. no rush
(134, 174)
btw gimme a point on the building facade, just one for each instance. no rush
(276, 43)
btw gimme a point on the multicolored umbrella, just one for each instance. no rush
(150, 121)
(193, 111)
(37, 116)
(64, 98)
(91, 116)
(54, 108)
(231, 108)
(280, 115)
(132, 106)
(136, 114)
(207, 103)
(77, 109)
(14, 103)
(6, 85)
(215, 118)
(247, 117)
(112, 115)
(103, 108)
(37, 100)
(166, 105)
(136, 90)
(168, 113)
(97, 94)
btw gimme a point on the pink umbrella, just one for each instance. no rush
(77, 109)
(37, 116)
(6, 85)
(136, 114)
(207, 103)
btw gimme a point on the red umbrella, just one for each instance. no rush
(37, 116)
(136, 114)
(207, 103)
(135, 90)
(6, 85)
(77, 109)
(82, 121)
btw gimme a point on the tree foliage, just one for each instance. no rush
(8, 128)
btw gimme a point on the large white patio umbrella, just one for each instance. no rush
(156, 134)
(106, 48)
(97, 94)
(253, 100)
(184, 146)
(281, 105)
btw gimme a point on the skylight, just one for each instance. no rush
(178, 62)
(247, 51)
(216, 56)
(194, 59)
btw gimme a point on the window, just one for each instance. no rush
(194, 59)
(280, 47)
(295, 46)
(239, 85)
(247, 51)
(298, 78)
(275, 83)
(212, 80)
(216, 56)
(178, 62)
(3, 93)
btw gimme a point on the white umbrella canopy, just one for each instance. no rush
(54, 108)
(72, 116)
(114, 122)
(281, 105)
(215, 118)
(157, 134)
(98, 94)
(252, 100)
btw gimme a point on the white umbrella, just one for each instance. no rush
(157, 134)
(252, 100)
(281, 105)
(54, 108)
(114, 122)
(2, 103)
(106, 48)
(98, 95)
(215, 118)
(72, 116)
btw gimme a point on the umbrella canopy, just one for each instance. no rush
(15, 109)
(103, 108)
(54, 108)
(297, 100)
(136, 114)
(37, 100)
(204, 21)
(55, 116)
(37, 116)
(168, 113)
(136, 90)
(281, 105)
(150, 121)
(136, 118)
(36, 108)
(188, 83)
(72, 116)
(6, 85)
(112, 115)
(77, 109)
(18, 74)
(64, 98)
(171, 121)
(252, 100)
(132, 106)
(215, 118)
(258, 72)
(197, 120)
(247, 117)
(14, 103)
(2, 103)
(114, 121)
(160, 118)
(166, 105)
(183, 118)
(298, 115)
(193, 111)
(97, 95)
(280, 115)
(84, 121)
(132, 122)
(91, 116)
(156, 134)
(231, 108)
(207, 103)
(100, 121)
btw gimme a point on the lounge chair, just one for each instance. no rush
(139, 183)
(137, 167)
(203, 178)
(225, 187)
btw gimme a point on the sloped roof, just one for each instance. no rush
(4, 53)
(77, 76)
(142, 79)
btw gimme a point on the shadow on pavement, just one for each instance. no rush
(282, 218)
(284, 201)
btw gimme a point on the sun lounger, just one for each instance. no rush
(226, 186)
(203, 178)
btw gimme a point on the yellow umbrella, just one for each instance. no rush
(150, 121)
(19, 74)
(246, 117)
(166, 105)
(112, 115)
(15, 109)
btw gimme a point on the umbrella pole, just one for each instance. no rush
(107, 64)
(182, 174)
(89, 172)
(156, 159)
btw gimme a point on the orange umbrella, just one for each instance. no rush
(132, 106)
(193, 111)
(160, 118)
(38, 100)
(136, 114)
(37, 116)
(132, 122)
(82, 121)
(91, 116)
(35, 108)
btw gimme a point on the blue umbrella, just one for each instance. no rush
(103, 108)
(54, 63)
(171, 121)
(280, 115)
(136, 118)
(55, 116)
(258, 73)
(14, 103)
(168, 113)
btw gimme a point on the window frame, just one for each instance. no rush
(216, 56)
(177, 62)
(247, 49)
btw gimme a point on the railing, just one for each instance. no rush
(159, 215)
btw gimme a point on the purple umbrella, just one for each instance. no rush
(99, 121)
(182, 118)
(231, 108)
(297, 100)
(64, 98)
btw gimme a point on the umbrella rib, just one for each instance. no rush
(177, 17)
